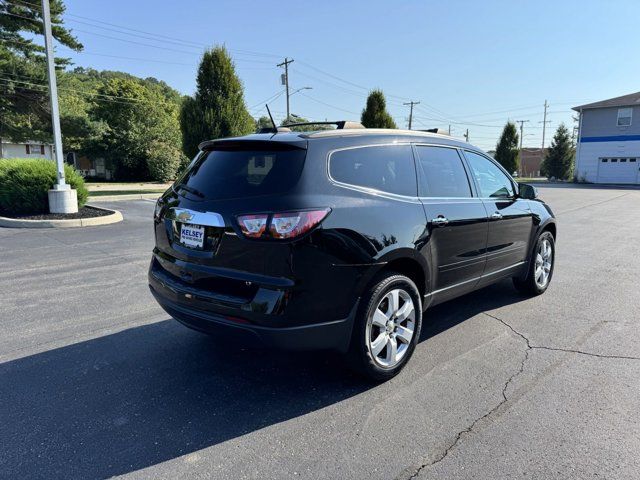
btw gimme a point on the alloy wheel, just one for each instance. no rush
(390, 328)
(544, 262)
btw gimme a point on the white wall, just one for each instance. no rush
(589, 155)
(18, 150)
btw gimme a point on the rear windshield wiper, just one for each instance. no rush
(189, 189)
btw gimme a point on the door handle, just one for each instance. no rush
(440, 221)
(496, 216)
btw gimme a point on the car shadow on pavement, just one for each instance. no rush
(133, 399)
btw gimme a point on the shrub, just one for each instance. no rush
(164, 162)
(25, 183)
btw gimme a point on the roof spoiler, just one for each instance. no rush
(270, 130)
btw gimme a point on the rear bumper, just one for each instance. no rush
(181, 305)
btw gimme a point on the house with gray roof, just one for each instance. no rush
(608, 149)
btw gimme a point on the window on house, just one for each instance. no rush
(624, 117)
(604, 160)
(41, 149)
(28, 149)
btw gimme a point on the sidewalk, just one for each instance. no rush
(109, 192)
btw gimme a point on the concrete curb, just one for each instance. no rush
(114, 217)
(132, 196)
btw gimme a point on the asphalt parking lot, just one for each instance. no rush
(96, 381)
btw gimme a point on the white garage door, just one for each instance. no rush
(618, 170)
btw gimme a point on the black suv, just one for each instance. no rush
(340, 239)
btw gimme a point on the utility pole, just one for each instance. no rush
(449, 129)
(544, 123)
(411, 104)
(521, 122)
(466, 136)
(62, 198)
(285, 64)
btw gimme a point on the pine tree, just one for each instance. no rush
(558, 163)
(507, 153)
(22, 112)
(375, 114)
(217, 110)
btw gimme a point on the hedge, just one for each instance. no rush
(25, 182)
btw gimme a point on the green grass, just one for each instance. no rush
(531, 180)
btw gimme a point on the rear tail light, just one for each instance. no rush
(253, 226)
(281, 226)
(294, 224)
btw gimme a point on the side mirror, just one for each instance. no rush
(528, 192)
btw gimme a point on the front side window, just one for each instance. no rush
(388, 168)
(441, 173)
(624, 117)
(492, 181)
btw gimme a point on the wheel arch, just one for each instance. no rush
(409, 264)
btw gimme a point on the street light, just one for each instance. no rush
(300, 89)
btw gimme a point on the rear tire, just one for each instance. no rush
(386, 328)
(540, 268)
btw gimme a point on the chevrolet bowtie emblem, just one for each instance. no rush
(184, 217)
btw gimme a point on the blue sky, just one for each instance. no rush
(471, 64)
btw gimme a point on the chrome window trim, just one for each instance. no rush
(463, 159)
(372, 191)
(514, 184)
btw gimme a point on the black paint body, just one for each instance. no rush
(303, 294)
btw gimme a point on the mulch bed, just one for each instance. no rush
(84, 212)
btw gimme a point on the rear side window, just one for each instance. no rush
(221, 174)
(388, 168)
(441, 173)
(492, 181)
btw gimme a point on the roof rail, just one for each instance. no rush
(439, 131)
(340, 124)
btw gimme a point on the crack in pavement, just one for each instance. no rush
(558, 349)
(470, 428)
(504, 400)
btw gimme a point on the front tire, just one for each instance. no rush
(540, 268)
(386, 328)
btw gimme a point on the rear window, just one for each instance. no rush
(388, 168)
(223, 174)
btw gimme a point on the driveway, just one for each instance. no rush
(96, 380)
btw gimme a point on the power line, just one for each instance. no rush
(100, 96)
(161, 37)
(267, 100)
(328, 104)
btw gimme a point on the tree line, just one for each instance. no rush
(558, 160)
(144, 128)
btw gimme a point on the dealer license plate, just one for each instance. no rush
(192, 235)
